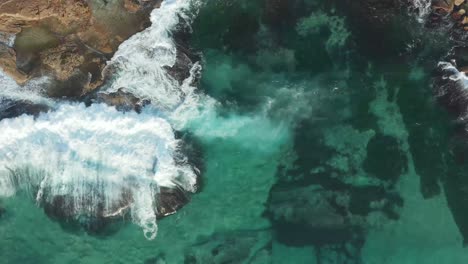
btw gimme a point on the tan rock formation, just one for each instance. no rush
(459, 2)
(8, 63)
(443, 5)
(63, 38)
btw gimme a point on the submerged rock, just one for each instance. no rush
(2, 211)
(96, 215)
(232, 247)
(313, 210)
(385, 159)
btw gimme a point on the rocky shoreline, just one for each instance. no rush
(67, 40)
(71, 43)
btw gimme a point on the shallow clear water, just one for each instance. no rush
(316, 147)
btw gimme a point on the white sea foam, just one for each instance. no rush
(74, 147)
(422, 8)
(75, 150)
(7, 39)
(78, 151)
(31, 91)
(452, 73)
(142, 63)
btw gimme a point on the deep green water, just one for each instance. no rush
(333, 150)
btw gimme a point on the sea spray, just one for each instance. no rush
(31, 92)
(422, 9)
(98, 158)
(75, 149)
(101, 158)
(141, 62)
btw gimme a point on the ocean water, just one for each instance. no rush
(320, 140)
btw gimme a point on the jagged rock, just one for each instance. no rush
(10, 109)
(445, 6)
(450, 91)
(170, 200)
(279, 12)
(65, 38)
(123, 101)
(458, 2)
(96, 215)
(8, 62)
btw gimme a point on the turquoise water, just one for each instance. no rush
(319, 149)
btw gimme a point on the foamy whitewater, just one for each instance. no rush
(422, 8)
(452, 73)
(79, 151)
(141, 63)
(30, 92)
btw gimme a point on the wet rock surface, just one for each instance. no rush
(11, 109)
(67, 38)
(100, 217)
(76, 61)
(123, 101)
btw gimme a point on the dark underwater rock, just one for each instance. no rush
(231, 247)
(450, 87)
(88, 213)
(96, 216)
(11, 109)
(186, 57)
(385, 159)
(378, 26)
(377, 13)
(170, 200)
(310, 210)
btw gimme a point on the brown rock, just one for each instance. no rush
(64, 37)
(443, 5)
(459, 2)
(465, 20)
(8, 64)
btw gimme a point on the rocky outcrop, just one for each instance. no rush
(96, 215)
(452, 12)
(122, 100)
(66, 38)
(10, 109)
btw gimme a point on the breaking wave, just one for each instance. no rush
(104, 160)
